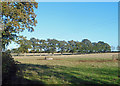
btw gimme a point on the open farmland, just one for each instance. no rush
(84, 69)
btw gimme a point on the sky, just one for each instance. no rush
(96, 21)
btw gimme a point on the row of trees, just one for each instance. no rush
(53, 46)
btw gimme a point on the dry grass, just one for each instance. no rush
(70, 69)
(98, 55)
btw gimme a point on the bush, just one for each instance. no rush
(9, 68)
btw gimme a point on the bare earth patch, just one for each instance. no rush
(98, 60)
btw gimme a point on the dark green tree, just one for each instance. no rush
(72, 46)
(33, 41)
(101, 46)
(79, 47)
(87, 45)
(107, 47)
(95, 47)
(62, 46)
(24, 45)
(42, 45)
(37, 46)
(52, 44)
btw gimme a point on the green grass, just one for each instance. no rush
(70, 70)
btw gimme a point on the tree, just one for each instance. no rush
(45, 47)
(107, 47)
(88, 45)
(103, 47)
(24, 45)
(72, 46)
(79, 47)
(37, 45)
(41, 45)
(52, 44)
(16, 17)
(62, 46)
(95, 47)
(68, 47)
(33, 41)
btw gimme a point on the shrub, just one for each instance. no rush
(9, 67)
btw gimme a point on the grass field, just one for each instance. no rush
(88, 69)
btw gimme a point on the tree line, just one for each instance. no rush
(55, 46)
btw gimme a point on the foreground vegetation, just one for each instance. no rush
(73, 70)
(9, 68)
